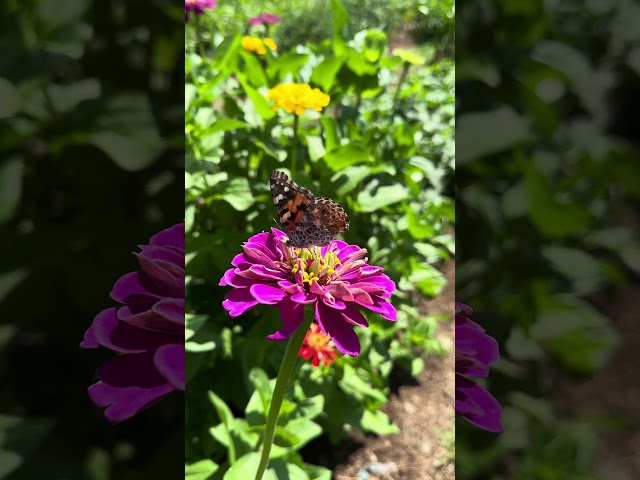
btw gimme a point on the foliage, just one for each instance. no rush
(90, 129)
(546, 167)
(383, 148)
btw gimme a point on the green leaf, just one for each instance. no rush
(304, 430)
(353, 176)
(287, 64)
(324, 74)
(345, 156)
(202, 470)
(260, 380)
(340, 21)
(237, 193)
(8, 99)
(60, 27)
(375, 197)
(330, 134)
(259, 102)
(127, 132)
(19, 437)
(244, 468)
(551, 217)
(378, 422)
(484, 133)
(226, 124)
(253, 69)
(11, 170)
(354, 385)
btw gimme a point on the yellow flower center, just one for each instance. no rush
(318, 341)
(312, 266)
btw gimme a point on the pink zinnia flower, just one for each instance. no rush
(334, 280)
(147, 330)
(197, 6)
(265, 19)
(475, 352)
(318, 347)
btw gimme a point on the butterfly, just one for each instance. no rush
(307, 220)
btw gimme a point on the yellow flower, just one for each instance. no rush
(295, 97)
(256, 45)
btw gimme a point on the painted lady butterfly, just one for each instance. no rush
(307, 220)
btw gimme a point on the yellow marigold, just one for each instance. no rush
(256, 45)
(295, 97)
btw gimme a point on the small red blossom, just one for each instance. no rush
(318, 347)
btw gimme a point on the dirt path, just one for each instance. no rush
(424, 412)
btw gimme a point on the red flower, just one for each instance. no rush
(319, 346)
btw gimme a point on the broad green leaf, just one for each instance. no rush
(202, 470)
(254, 72)
(287, 64)
(60, 27)
(324, 74)
(237, 193)
(378, 422)
(550, 216)
(11, 180)
(126, 131)
(375, 197)
(226, 124)
(345, 156)
(259, 102)
(8, 99)
(340, 21)
(479, 134)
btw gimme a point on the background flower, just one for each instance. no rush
(147, 329)
(296, 97)
(318, 347)
(265, 19)
(475, 352)
(333, 280)
(197, 6)
(256, 45)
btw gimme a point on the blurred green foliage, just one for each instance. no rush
(547, 167)
(90, 166)
(383, 149)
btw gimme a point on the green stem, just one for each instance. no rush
(403, 75)
(294, 148)
(284, 374)
(199, 41)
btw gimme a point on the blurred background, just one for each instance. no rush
(91, 165)
(547, 176)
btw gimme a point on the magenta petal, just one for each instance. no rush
(171, 309)
(173, 236)
(354, 317)
(477, 405)
(125, 402)
(121, 337)
(238, 301)
(170, 360)
(291, 315)
(129, 289)
(475, 351)
(266, 294)
(89, 340)
(385, 309)
(303, 297)
(128, 384)
(332, 323)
